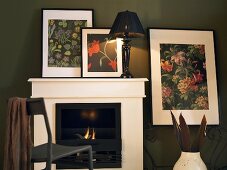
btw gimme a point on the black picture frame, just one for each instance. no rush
(61, 41)
(169, 54)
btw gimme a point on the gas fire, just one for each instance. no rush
(89, 135)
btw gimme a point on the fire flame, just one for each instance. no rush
(93, 134)
(87, 134)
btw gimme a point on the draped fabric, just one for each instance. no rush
(18, 143)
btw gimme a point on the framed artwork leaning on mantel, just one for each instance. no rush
(61, 44)
(183, 76)
(102, 54)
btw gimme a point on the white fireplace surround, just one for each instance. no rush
(128, 92)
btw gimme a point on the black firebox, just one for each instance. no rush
(96, 124)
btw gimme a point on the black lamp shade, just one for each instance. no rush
(127, 23)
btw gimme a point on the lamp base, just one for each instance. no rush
(126, 57)
(126, 75)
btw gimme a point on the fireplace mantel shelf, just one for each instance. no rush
(87, 87)
(88, 79)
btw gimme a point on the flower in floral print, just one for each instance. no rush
(113, 64)
(166, 93)
(166, 66)
(94, 48)
(178, 58)
(202, 102)
(184, 85)
(198, 77)
(58, 56)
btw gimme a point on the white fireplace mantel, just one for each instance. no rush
(128, 92)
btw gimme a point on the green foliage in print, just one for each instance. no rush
(64, 42)
(183, 77)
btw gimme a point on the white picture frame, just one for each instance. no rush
(107, 60)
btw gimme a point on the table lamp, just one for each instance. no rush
(126, 25)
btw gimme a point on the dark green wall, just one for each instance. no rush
(20, 56)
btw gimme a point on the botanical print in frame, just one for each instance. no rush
(62, 41)
(183, 77)
(101, 53)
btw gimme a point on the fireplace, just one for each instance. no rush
(96, 124)
(128, 92)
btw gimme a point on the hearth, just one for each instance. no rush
(96, 124)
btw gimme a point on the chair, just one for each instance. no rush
(50, 152)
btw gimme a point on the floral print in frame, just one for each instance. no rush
(64, 42)
(183, 76)
(101, 53)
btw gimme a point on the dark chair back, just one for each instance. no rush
(36, 106)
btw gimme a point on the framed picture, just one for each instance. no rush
(183, 76)
(102, 55)
(62, 41)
